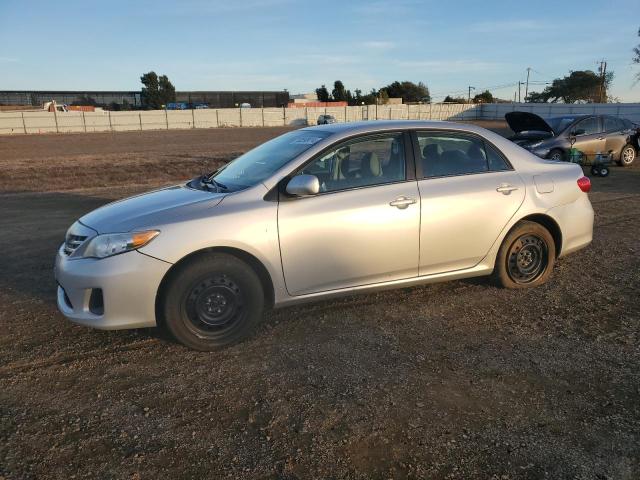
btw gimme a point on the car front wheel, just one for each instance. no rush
(211, 301)
(556, 155)
(627, 155)
(526, 257)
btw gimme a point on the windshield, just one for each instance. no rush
(260, 163)
(558, 124)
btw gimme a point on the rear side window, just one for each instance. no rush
(446, 154)
(612, 124)
(496, 161)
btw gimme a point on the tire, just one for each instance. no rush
(595, 171)
(627, 155)
(526, 257)
(212, 301)
(556, 155)
(604, 171)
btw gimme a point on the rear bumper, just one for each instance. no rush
(128, 284)
(576, 224)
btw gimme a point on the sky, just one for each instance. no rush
(299, 45)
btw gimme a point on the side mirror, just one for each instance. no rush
(303, 185)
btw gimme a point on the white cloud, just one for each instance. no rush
(378, 45)
(449, 66)
(498, 26)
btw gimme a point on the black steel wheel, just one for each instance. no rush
(604, 171)
(595, 171)
(211, 301)
(213, 305)
(526, 257)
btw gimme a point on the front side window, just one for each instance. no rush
(359, 163)
(588, 126)
(263, 161)
(445, 154)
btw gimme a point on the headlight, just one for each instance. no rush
(114, 243)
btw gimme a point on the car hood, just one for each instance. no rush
(527, 122)
(150, 209)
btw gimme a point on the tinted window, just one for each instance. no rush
(588, 126)
(358, 163)
(451, 154)
(496, 161)
(612, 124)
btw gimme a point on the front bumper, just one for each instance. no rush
(128, 284)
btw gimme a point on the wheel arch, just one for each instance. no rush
(547, 222)
(253, 262)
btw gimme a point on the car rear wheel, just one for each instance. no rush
(627, 155)
(212, 301)
(556, 155)
(526, 257)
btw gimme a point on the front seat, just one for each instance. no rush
(370, 166)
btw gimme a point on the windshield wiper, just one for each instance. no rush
(209, 180)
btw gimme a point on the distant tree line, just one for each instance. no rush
(410, 93)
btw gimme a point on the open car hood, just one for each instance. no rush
(527, 122)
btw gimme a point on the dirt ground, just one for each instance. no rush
(455, 380)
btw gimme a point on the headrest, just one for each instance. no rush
(371, 166)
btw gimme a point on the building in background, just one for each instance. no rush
(117, 100)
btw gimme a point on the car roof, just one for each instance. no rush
(350, 128)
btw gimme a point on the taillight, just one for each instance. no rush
(585, 184)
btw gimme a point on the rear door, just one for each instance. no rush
(588, 135)
(363, 226)
(616, 135)
(468, 192)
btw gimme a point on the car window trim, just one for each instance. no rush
(410, 164)
(418, 154)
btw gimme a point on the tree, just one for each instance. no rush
(166, 90)
(339, 93)
(157, 91)
(636, 56)
(322, 94)
(150, 95)
(383, 96)
(408, 91)
(450, 99)
(484, 97)
(579, 85)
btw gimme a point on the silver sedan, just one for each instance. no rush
(320, 212)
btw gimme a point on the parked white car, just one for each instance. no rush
(319, 212)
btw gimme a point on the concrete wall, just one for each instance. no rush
(48, 122)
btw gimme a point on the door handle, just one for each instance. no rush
(402, 202)
(506, 189)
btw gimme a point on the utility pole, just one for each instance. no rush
(469, 95)
(519, 85)
(603, 73)
(526, 89)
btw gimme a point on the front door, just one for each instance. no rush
(363, 226)
(469, 192)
